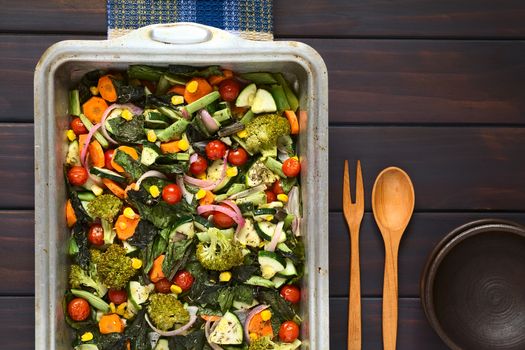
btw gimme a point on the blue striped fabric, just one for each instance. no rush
(248, 18)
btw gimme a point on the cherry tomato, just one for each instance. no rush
(270, 197)
(199, 166)
(77, 175)
(163, 286)
(78, 309)
(96, 235)
(238, 157)
(277, 188)
(291, 167)
(289, 331)
(291, 293)
(108, 157)
(229, 89)
(78, 127)
(183, 279)
(215, 150)
(171, 194)
(117, 296)
(222, 220)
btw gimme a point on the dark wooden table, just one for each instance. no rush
(436, 87)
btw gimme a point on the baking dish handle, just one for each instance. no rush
(181, 34)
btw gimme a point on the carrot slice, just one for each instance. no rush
(260, 327)
(211, 318)
(130, 187)
(217, 79)
(96, 154)
(196, 88)
(125, 227)
(294, 123)
(71, 218)
(128, 150)
(170, 147)
(177, 89)
(207, 199)
(94, 109)
(156, 274)
(107, 89)
(114, 188)
(81, 142)
(110, 324)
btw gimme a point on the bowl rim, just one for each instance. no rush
(441, 250)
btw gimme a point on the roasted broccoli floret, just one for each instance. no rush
(114, 267)
(106, 206)
(264, 130)
(165, 311)
(262, 343)
(78, 277)
(221, 254)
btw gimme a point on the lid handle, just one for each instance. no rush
(180, 34)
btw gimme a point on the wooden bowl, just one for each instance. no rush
(473, 286)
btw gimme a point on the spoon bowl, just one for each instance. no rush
(393, 202)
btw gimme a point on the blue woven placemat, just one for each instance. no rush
(251, 19)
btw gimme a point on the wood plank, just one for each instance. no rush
(422, 81)
(423, 233)
(453, 169)
(404, 18)
(371, 81)
(19, 55)
(414, 332)
(17, 323)
(17, 257)
(72, 16)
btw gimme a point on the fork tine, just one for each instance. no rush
(359, 190)
(347, 199)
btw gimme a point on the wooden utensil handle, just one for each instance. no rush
(354, 292)
(390, 297)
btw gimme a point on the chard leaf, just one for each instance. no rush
(128, 131)
(132, 167)
(144, 234)
(190, 71)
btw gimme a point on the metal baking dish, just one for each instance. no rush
(61, 67)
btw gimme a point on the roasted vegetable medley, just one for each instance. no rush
(184, 210)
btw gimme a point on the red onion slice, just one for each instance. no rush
(293, 207)
(83, 153)
(134, 109)
(193, 317)
(185, 193)
(207, 332)
(151, 173)
(208, 121)
(194, 157)
(239, 220)
(238, 212)
(185, 113)
(275, 239)
(198, 182)
(252, 313)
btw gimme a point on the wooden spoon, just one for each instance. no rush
(393, 204)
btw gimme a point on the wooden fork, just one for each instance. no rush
(354, 215)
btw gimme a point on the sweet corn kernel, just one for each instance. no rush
(152, 137)
(177, 100)
(71, 136)
(232, 171)
(269, 217)
(253, 336)
(242, 134)
(97, 190)
(202, 176)
(266, 315)
(175, 289)
(200, 194)
(183, 144)
(154, 191)
(136, 263)
(112, 308)
(121, 309)
(93, 90)
(128, 315)
(87, 336)
(295, 157)
(129, 213)
(282, 197)
(225, 276)
(192, 86)
(126, 114)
